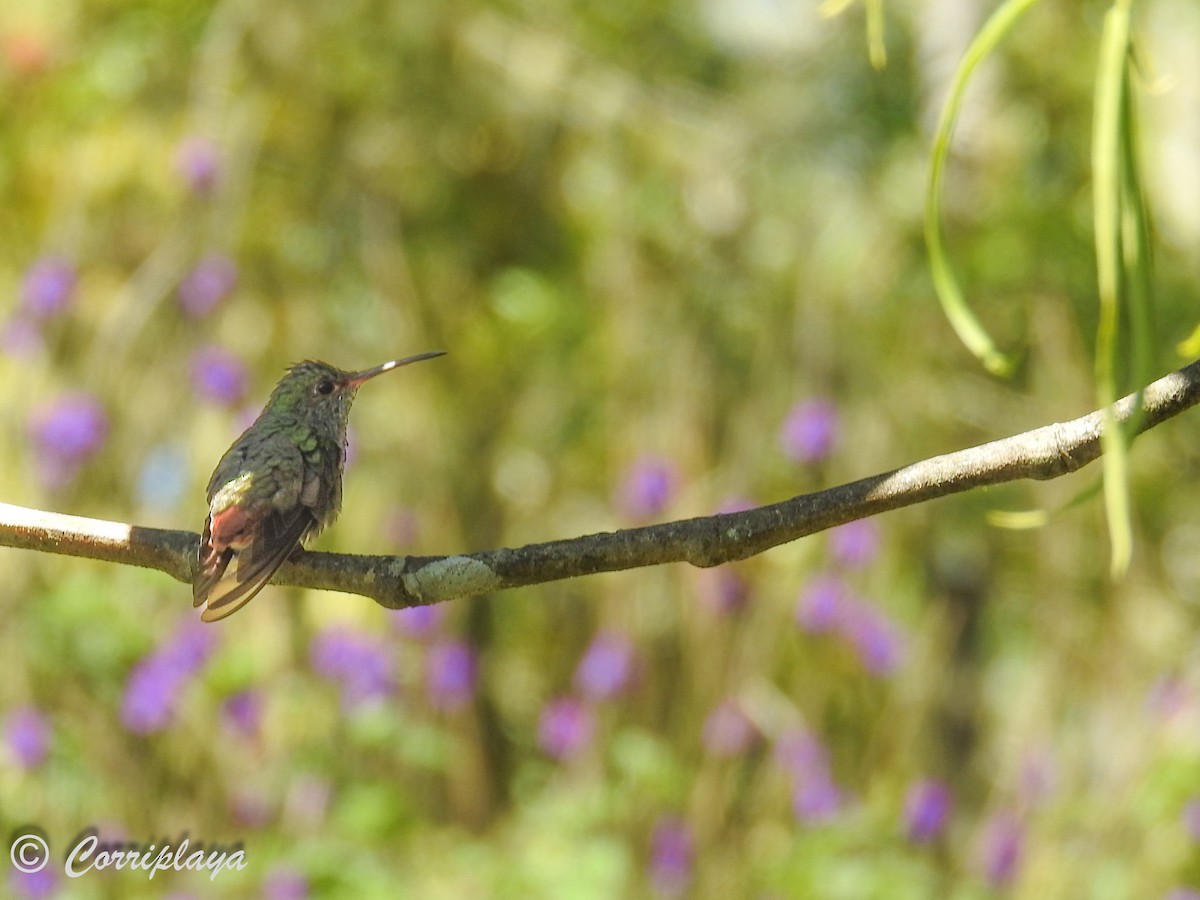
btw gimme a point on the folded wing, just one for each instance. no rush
(237, 557)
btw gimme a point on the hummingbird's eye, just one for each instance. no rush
(325, 387)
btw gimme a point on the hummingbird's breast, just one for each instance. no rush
(323, 460)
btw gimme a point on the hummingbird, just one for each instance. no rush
(278, 484)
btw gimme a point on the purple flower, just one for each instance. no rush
(728, 731)
(198, 163)
(1168, 697)
(606, 668)
(450, 675)
(565, 728)
(401, 527)
(1038, 776)
(33, 885)
(251, 807)
(723, 590)
(27, 733)
(876, 639)
(927, 810)
(800, 753)
(809, 431)
(827, 606)
(822, 605)
(307, 801)
(21, 338)
(151, 695)
(209, 282)
(735, 504)
(647, 488)
(361, 663)
(157, 681)
(855, 544)
(1001, 847)
(817, 798)
(72, 428)
(1191, 818)
(672, 856)
(65, 434)
(284, 883)
(243, 713)
(1182, 893)
(188, 648)
(218, 376)
(419, 622)
(815, 795)
(48, 286)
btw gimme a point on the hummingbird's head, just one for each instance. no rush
(322, 393)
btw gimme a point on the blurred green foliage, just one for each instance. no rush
(676, 253)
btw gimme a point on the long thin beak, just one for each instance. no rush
(359, 377)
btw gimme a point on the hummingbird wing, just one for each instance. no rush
(235, 566)
(258, 514)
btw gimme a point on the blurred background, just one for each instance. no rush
(675, 252)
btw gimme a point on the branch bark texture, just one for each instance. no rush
(402, 581)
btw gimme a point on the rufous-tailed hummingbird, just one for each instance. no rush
(280, 483)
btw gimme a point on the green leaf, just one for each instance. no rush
(962, 319)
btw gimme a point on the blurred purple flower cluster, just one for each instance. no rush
(566, 728)
(27, 736)
(809, 431)
(672, 857)
(1038, 775)
(1001, 848)
(820, 609)
(198, 163)
(816, 796)
(855, 545)
(402, 529)
(361, 663)
(728, 731)
(827, 606)
(451, 664)
(218, 376)
(723, 590)
(65, 435)
(21, 338)
(157, 682)
(212, 279)
(33, 885)
(927, 809)
(1191, 819)
(242, 713)
(419, 622)
(450, 673)
(285, 883)
(48, 288)
(647, 488)
(607, 667)
(605, 671)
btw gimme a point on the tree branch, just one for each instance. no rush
(402, 581)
